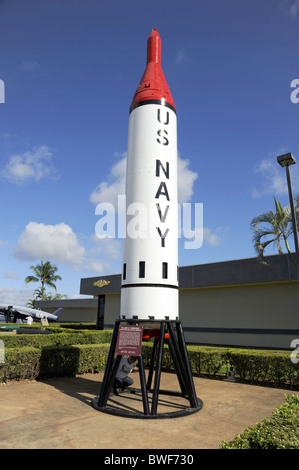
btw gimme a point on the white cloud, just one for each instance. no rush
(293, 8)
(180, 57)
(99, 259)
(5, 136)
(10, 296)
(198, 236)
(30, 166)
(11, 275)
(57, 243)
(97, 266)
(110, 247)
(274, 178)
(186, 179)
(108, 191)
(30, 65)
(211, 238)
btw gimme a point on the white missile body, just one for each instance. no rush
(150, 253)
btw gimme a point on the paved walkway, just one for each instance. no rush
(58, 414)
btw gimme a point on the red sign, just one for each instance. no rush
(129, 340)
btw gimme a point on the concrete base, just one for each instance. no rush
(129, 404)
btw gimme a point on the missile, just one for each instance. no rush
(149, 289)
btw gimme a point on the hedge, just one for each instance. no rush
(36, 363)
(20, 364)
(273, 368)
(265, 367)
(280, 431)
(64, 337)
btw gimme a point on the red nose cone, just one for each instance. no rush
(153, 85)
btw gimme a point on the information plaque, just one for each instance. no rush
(129, 340)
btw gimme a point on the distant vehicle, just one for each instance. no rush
(14, 312)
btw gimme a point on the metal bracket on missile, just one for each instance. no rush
(170, 332)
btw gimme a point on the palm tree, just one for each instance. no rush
(272, 227)
(57, 296)
(31, 303)
(46, 274)
(41, 294)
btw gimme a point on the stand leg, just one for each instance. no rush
(177, 360)
(103, 394)
(143, 386)
(183, 349)
(110, 380)
(158, 370)
(151, 370)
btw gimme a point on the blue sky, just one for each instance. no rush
(70, 69)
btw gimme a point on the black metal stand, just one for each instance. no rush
(178, 351)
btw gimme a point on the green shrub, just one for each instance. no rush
(61, 338)
(23, 363)
(281, 431)
(72, 360)
(250, 366)
(207, 361)
(33, 363)
(92, 358)
(273, 368)
(264, 367)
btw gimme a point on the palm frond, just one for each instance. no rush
(276, 225)
(31, 279)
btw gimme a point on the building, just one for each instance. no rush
(234, 303)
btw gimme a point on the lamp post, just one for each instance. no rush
(285, 161)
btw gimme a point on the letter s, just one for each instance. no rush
(165, 140)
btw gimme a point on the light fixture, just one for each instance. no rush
(286, 159)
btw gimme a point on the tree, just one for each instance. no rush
(57, 296)
(40, 294)
(272, 227)
(48, 295)
(31, 303)
(46, 274)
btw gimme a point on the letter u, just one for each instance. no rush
(159, 117)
